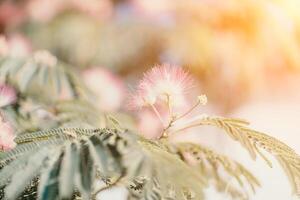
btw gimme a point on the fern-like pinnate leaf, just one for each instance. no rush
(253, 141)
(31, 76)
(72, 160)
(214, 165)
(165, 176)
(22, 177)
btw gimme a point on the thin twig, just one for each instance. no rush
(190, 110)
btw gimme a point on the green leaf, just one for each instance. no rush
(22, 178)
(49, 183)
(96, 149)
(28, 72)
(85, 172)
(67, 172)
(11, 169)
(58, 73)
(103, 158)
(9, 67)
(43, 75)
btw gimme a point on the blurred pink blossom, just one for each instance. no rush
(153, 8)
(44, 10)
(148, 124)
(7, 95)
(11, 14)
(6, 136)
(108, 87)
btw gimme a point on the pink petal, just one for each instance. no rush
(108, 87)
(6, 136)
(7, 95)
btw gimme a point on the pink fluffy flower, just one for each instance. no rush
(108, 87)
(7, 95)
(6, 136)
(165, 83)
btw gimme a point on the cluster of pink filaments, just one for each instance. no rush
(164, 83)
(165, 86)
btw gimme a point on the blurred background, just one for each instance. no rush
(245, 55)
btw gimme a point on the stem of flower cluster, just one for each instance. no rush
(187, 127)
(189, 111)
(174, 118)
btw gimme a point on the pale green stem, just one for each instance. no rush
(187, 127)
(189, 111)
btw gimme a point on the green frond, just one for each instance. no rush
(63, 133)
(31, 77)
(79, 155)
(48, 185)
(15, 165)
(187, 184)
(22, 177)
(253, 140)
(211, 164)
(22, 149)
(106, 155)
(9, 67)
